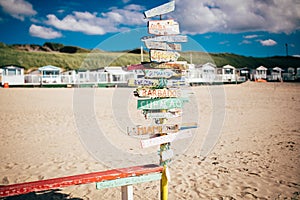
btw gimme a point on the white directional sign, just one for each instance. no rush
(163, 27)
(160, 10)
(162, 45)
(159, 115)
(166, 138)
(165, 38)
(158, 73)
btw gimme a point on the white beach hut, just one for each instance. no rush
(118, 75)
(261, 73)
(50, 74)
(209, 72)
(276, 74)
(228, 73)
(12, 75)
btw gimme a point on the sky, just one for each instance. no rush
(257, 28)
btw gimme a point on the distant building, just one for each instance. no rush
(12, 74)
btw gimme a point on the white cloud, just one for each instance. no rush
(268, 42)
(245, 42)
(18, 9)
(43, 32)
(235, 16)
(250, 36)
(98, 24)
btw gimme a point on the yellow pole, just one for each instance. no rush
(164, 179)
(164, 185)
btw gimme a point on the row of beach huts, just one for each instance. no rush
(208, 73)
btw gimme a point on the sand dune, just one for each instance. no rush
(256, 155)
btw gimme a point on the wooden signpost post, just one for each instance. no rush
(156, 100)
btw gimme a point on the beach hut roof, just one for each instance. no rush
(228, 67)
(277, 69)
(49, 68)
(262, 68)
(115, 70)
(11, 67)
(209, 65)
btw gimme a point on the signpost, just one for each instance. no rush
(163, 27)
(160, 10)
(162, 103)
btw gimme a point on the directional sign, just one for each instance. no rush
(163, 56)
(135, 67)
(158, 73)
(166, 138)
(156, 104)
(160, 10)
(162, 45)
(152, 130)
(143, 82)
(167, 154)
(161, 115)
(180, 65)
(163, 27)
(165, 38)
(160, 93)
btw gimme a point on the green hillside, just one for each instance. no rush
(67, 57)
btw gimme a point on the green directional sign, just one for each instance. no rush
(159, 104)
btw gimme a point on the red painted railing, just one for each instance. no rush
(55, 183)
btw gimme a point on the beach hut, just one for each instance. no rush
(118, 75)
(12, 75)
(275, 74)
(208, 72)
(244, 72)
(228, 74)
(261, 73)
(50, 74)
(289, 75)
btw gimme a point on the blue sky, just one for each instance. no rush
(252, 27)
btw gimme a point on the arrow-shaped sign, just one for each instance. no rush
(160, 10)
(159, 104)
(166, 138)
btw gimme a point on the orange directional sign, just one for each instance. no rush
(163, 56)
(158, 93)
(152, 130)
(163, 27)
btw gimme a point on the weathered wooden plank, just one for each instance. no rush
(162, 45)
(166, 138)
(159, 73)
(165, 38)
(128, 181)
(163, 56)
(157, 104)
(160, 10)
(36, 186)
(158, 93)
(153, 114)
(179, 65)
(143, 82)
(127, 192)
(167, 154)
(152, 130)
(163, 27)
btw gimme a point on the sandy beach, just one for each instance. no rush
(256, 154)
